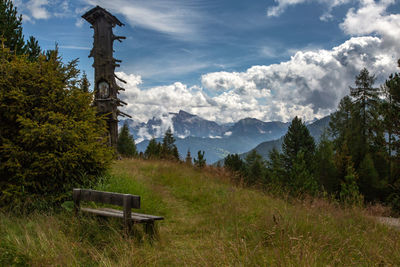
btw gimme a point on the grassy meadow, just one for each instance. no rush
(209, 221)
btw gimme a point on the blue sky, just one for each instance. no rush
(227, 60)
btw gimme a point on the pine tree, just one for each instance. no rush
(168, 148)
(11, 27)
(301, 179)
(369, 182)
(85, 84)
(340, 124)
(234, 163)
(51, 138)
(255, 168)
(276, 171)
(200, 162)
(366, 99)
(32, 49)
(391, 123)
(349, 193)
(153, 149)
(126, 144)
(326, 171)
(298, 139)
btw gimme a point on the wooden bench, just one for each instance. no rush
(127, 201)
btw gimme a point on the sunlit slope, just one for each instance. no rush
(209, 221)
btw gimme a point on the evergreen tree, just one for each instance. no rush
(391, 123)
(11, 27)
(255, 168)
(51, 137)
(301, 179)
(326, 171)
(175, 153)
(32, 49)
(349, 193)
(168, 148)
(366, 99)
(85, 84)
(126, 144)
(234, 163)
(153, 149)
(200, 161)
(340, 124)
(369, 183)
(298, 139)
(276, 171)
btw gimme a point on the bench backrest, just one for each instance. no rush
(106, 198)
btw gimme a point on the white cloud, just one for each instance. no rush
(43, 9)
(282, 5)
(38, 9)
(372, 18)
(309, 85)
(173, 17)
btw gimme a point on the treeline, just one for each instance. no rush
(166, 150)
(51, 138)
(356, 160)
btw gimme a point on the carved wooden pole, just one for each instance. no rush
(105, 87)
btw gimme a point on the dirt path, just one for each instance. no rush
(389, 221)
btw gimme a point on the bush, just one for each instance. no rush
(50, 137)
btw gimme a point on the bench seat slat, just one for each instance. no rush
(136, 217)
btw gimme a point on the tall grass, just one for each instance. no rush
(208, 222)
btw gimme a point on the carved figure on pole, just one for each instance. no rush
(105, 86)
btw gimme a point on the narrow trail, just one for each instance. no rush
(389, 221)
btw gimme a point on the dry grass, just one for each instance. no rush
(208, 222)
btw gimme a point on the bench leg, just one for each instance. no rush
(150, 229)
(128, 227)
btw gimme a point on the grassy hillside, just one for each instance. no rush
(208, 222)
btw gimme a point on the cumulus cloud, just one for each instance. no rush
(372, 18)
(160, 100)
(38, 9)
(309, 85)
(282, 5)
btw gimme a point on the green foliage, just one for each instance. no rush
(85, 84)
(168, 147)
(125, 144)
(234, 163)
(166, 150)
(11, 27)
(153, 149)
(200, 162)
(349, 193)
(369, 179)
(254, 168)
(340, 125)
(33, 49)
(325, 170)
(51, 138)
(301, 179)
(224, 224)
(276, 172)
(298, 139)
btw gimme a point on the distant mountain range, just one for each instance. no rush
(217, 140)
(316, 130)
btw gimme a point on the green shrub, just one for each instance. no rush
(50, 137)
